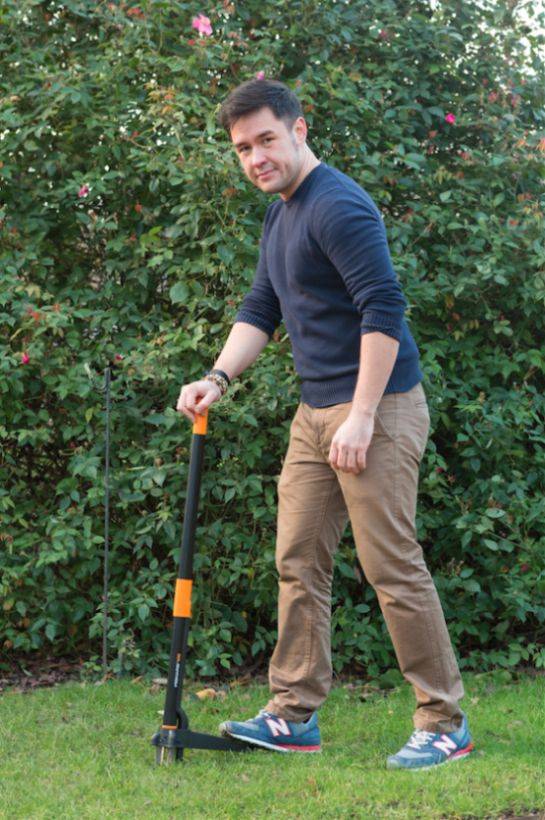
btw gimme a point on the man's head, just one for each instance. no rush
(265, 122)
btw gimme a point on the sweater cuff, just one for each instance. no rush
(373, 321)
(256, 320)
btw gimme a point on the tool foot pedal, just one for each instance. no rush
(170, 744)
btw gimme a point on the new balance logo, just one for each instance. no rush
(278, 726)
(446, 745)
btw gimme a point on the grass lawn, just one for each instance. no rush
(83, 750)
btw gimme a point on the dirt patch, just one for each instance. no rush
(33, 673)
(533, 815)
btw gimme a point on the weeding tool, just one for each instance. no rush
(175, 735)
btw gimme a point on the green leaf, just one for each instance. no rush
(179, 293)
(159, 477)
(346, 570)
(173, 231)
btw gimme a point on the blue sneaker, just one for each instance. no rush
(272, 732)
(426, 749)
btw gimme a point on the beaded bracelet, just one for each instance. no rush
(221, 373)
(219, 378)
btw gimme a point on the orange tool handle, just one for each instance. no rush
(182, 598)
(201, 424)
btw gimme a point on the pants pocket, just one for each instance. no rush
(385, 425)
(418, 396)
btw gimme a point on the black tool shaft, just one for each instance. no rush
(181, 624)
(185, 569)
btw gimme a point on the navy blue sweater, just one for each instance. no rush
(324, 268)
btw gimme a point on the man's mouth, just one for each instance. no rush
(266, 174)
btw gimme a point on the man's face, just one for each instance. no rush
(270, 154)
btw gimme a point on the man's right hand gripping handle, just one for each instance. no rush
(197, 397)
(243, 346)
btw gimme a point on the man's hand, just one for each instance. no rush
(196, 397)
(350, 443)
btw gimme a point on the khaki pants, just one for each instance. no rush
(315, 502)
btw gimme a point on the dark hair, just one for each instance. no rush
(255, 94)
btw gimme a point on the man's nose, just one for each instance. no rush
(258, 157)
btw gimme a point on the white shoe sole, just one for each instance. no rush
(433, 765)
(271, 746)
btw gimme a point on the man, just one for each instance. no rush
(357, 437)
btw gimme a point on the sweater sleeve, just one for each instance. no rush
(351, 233)
(260, 307)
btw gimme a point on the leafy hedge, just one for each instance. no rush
(129, 236)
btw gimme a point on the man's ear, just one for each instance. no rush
(300, 130)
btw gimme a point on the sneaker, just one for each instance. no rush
(426, 749)
(272, 732)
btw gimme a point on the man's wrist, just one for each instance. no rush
(216, 372)
(219, 378)
(363, 413)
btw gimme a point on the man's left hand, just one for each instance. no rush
(350, 443)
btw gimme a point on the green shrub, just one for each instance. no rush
(150, 260)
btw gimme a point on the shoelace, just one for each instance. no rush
(264, 713)
(419, 738)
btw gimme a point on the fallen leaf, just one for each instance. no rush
(244, 680)
(207, 694)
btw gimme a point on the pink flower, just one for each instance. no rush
(25, 358)
(260, 75)
(118, 357)
(202, 24)
(450, 118)
(83, 191)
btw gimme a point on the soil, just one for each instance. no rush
(29, 673)
(33, 673)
